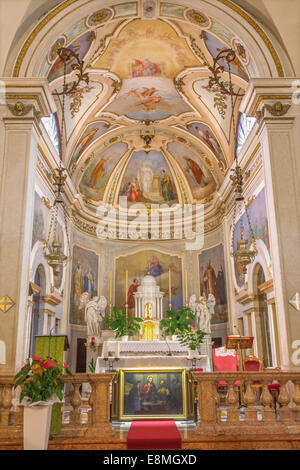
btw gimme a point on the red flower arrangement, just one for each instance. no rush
(42, 379)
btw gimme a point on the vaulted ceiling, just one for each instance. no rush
(146, 119)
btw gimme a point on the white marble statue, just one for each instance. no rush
(211, 302)
(203, 310)
(193, 303)
(94, 313)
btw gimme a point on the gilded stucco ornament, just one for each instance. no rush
(277, 109)
(19, 108)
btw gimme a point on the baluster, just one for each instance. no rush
(297, 398)
(207, 405)
(269, 415)
(101, 403)
(232, 399)
(91, 402)
(6, 404)
(285, 413)
(250, 399)
(75, 402)
(217, 400)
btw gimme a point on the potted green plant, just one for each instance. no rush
(178, 320)
(122, 324)
(191, 338)
(41, 386)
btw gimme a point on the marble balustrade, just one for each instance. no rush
(86, 407)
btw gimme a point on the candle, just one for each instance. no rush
(170, 288)
(117, 349)
(110, 287)
(105, 349)
(186, 288)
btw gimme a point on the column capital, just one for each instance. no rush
(27, 98)
(271, 98)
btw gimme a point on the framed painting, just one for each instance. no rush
(153, 393)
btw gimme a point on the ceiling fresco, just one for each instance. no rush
(148, 63)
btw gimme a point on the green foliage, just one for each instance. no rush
(92, 365)
(41, 379)
(121, 324)
(179, 320)
(191, 338)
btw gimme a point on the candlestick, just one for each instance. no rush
(110, 293)
(117, 349)
(126, 294)
(105, 350)
(110, 286)
(170, 290)
(186, 289)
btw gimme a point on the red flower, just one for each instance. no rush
(47, 364)
(35, 358)
(65, 366)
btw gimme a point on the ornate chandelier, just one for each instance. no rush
(54, 255)
(243, 255)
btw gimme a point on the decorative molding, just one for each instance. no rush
(244, 297)
(46, 311)
(267, 286)
(254, 111)
(261, 33)
(34, 288)
(50, 299)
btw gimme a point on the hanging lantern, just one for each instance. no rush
(55, 257)
(243, 255)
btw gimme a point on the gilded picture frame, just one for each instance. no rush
(152, 393)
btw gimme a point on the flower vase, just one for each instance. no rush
(124, 338)
(193, 353)
(36, 429)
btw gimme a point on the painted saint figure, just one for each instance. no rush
(148, 393)
(131, 297)
(195, 169)
(154, 267)
(145, 68)
(97, 172)
(167, 187)
(89, 283)
(209, 280)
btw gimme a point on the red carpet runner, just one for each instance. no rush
(153, 435)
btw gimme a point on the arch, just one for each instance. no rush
(25, 60)
(35, 322)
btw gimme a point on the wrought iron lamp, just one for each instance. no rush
(55, 257)
(243, 255)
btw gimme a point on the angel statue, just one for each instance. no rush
(193, 303)
(202, 309)
(94, 313)
(211, 302)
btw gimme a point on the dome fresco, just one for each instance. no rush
(148, 75)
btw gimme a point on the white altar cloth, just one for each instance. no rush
(147, 347)
(150, 362)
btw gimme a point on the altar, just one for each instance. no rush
(148, 354)
(153, 379)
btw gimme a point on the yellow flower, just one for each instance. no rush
(37, 369)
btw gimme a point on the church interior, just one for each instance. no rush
(150, 223)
